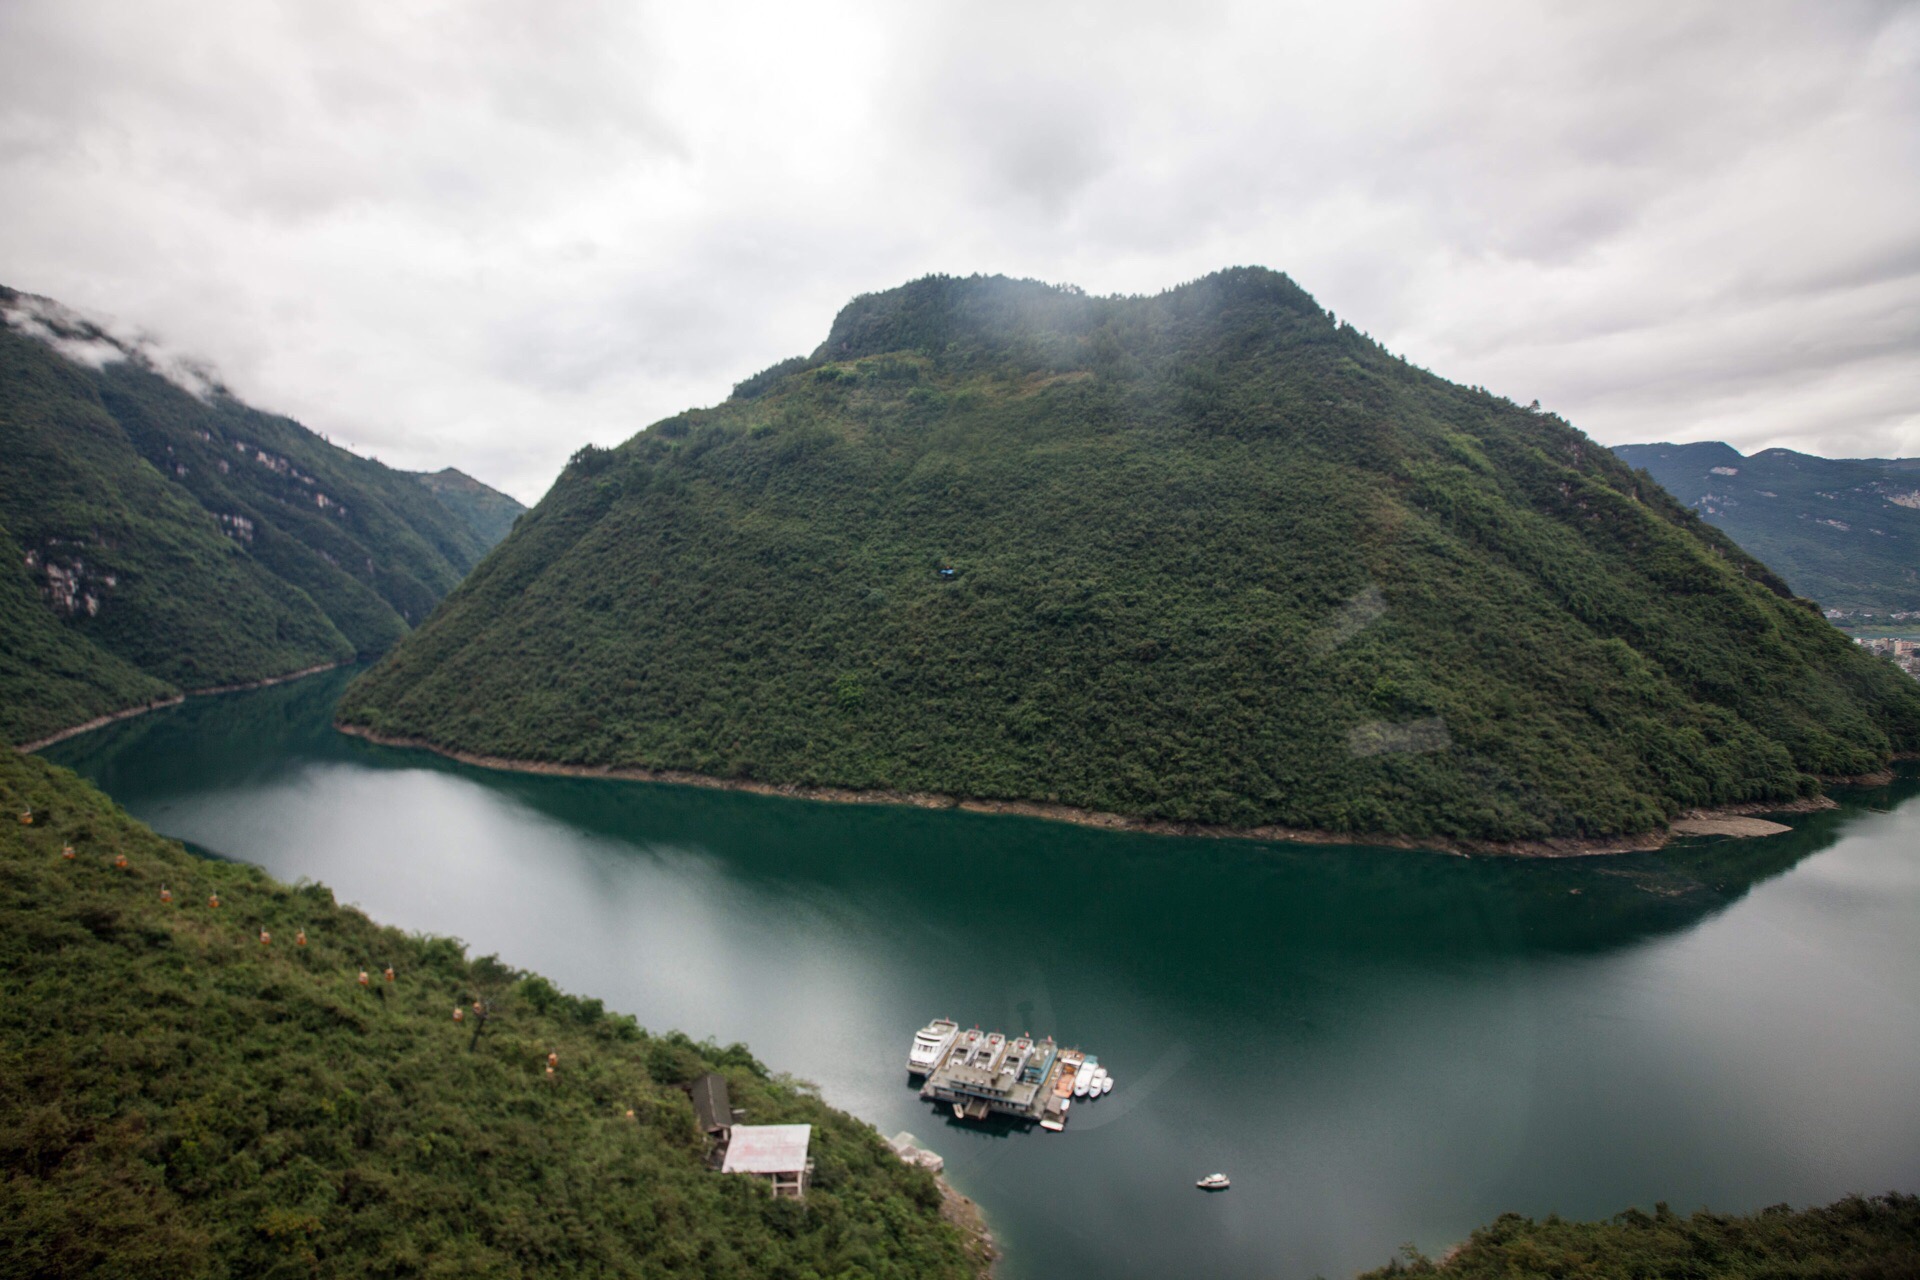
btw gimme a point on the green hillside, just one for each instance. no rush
(1843, 531)
(187, 535)
(51, 676)
(177, 1099)
(128, 560)
(1207, 556)
(1858, 1238)
(486, 511)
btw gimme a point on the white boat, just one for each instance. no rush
(1083, 1079)
(1106, 1085)
(1213, 1182)
(930, 1044)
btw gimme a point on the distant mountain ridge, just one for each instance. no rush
(486, 511)
(177, 539)
(1207, 557)
(1842, 531)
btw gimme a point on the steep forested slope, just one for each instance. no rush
(1842, 531)
(127, 559)
(188, 535)
(1205, 556)
(179, 1099)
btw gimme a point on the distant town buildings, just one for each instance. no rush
(1905, 653)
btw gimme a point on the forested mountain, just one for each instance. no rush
(486, 511)
(192, 1090)
(184, 534)
(1208, 556)
(1842, 531)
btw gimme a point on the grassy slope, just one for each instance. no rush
(185, 603)
(1207, 543)
(1857, 1238)
(177, 1100)
(1829, 525)
(486, 511)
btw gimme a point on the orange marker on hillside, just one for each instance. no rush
(166, 894)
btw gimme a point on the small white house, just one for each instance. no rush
(774, 1152)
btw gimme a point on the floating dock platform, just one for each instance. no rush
(980, 1074)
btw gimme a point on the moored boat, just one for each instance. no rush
(1083, 1078)
(929, 1044)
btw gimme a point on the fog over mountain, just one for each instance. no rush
(483, 234)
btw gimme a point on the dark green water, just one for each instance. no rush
(1377, 1046)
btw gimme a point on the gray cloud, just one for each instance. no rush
(484, 234)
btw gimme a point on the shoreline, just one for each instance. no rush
(971, 1223)
(127, 713)
(98, 722)
(1554, 847)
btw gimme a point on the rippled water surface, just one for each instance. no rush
(1377, 1046)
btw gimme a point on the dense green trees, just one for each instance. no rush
(179, 1099)
(1858, 1238)
(1216, 559)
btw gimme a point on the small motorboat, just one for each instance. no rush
(1083, 1078)
(1106, 1085)
(1213, 1182)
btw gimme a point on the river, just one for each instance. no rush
(1378, 1046)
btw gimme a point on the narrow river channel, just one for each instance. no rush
(1379, 1047)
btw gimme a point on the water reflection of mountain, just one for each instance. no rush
(1237, 903)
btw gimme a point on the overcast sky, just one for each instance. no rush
(483, 233)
